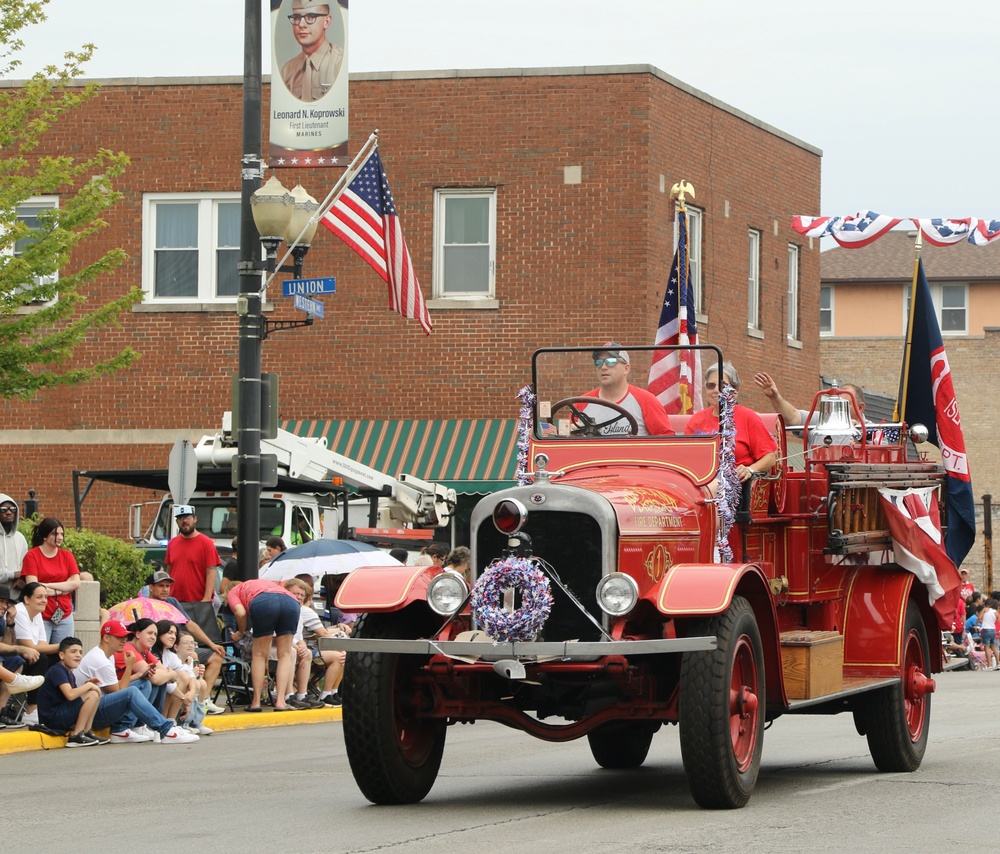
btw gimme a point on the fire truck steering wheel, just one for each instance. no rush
(588, 426)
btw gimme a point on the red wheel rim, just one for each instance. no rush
(914, 699)
(415, 736)
(744, 709)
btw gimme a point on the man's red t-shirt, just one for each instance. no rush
(188, 559)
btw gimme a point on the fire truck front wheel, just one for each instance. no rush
(394, 754)
(896, 720)
(721, 712)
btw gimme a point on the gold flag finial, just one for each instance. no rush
(679, 190)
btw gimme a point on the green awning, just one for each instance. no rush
(470, 455)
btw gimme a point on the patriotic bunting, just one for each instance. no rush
(853, 232)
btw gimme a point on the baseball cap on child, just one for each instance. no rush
(115, 628)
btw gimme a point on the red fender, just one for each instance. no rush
(706, 589)
(874, 617)
(381, 589)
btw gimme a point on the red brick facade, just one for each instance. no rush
(575, 263)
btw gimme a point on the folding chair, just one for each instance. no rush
(234, 677)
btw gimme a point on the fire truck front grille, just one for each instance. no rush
(571, 544)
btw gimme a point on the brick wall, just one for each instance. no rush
(575, 262)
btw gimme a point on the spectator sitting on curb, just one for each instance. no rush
(13, 657)
(122, 703)
(312, 628)
(29, 630)
(210, 653)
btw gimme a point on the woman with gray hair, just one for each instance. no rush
(756, 450)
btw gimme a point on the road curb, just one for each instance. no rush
(19, 741)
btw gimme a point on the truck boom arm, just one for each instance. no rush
(418, 501)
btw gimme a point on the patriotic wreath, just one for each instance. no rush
(536, 600)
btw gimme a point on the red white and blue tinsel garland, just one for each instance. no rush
(728, 495)
(527, 397)
(536, 600)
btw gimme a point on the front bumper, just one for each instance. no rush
(490, 651)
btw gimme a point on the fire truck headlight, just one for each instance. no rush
(617, 594)
(446, 593)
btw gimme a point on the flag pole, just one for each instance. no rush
(899, 410)
(338, 188)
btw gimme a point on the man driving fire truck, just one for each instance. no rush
(613, 369)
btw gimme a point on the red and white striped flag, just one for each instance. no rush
(675, 375)
(364, 217)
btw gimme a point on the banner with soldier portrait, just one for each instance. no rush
(308, 83)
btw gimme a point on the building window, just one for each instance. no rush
(464, 244)
(191, 247)
(753, 281)
(695, 222)
(826, 310)
(951, 307)
(28, 215)
(793, 293)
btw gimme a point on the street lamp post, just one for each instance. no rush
(248, 307)
(268, 214)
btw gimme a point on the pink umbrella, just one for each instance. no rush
(143, 606)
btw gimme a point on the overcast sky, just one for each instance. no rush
(900, 96)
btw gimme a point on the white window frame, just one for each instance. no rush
(485, 299)
(792, 314)
(753, 280)
(49, 203)
(826, 333)
(208, 233)
(937, 298)
(695, 218)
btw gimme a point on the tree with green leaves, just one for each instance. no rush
(44, 313)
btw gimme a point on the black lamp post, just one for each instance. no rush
(253, 329)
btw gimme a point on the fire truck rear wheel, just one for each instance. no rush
(622, 745)
(896, 720)
(394, 754)
(722, 703)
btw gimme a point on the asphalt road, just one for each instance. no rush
(290, 789)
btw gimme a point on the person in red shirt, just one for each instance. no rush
(192, 559)
(613, 369)
(55, 567)
(148, 675)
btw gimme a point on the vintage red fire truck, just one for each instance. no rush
(611, 557)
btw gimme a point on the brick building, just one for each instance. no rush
(864, 297)
(536, 207)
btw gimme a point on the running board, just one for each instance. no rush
(852, 686)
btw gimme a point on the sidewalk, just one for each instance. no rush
(20, 740)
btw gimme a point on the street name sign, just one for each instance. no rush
(309, 306)
(308, 287)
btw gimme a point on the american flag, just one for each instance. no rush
(364, 217)
(675, 376)
(944, 232)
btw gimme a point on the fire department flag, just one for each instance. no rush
(930, 400)
(915, 526)
(675, 376)
(364, 217)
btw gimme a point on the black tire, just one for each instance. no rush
(394, 754)
(623, 745)
(896, 720)
(721, 710)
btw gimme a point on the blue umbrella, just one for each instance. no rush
(325, 557)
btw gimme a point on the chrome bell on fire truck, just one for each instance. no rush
(835, 426)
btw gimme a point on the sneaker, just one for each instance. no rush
(178, 735)
(100, 739)
(333, 699)
(10, 721)
(30, 718)
(213, 709)
(24, 683)
(81, 739)
(200, 729)
(129, 736)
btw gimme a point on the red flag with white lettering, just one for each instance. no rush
(915, 525)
